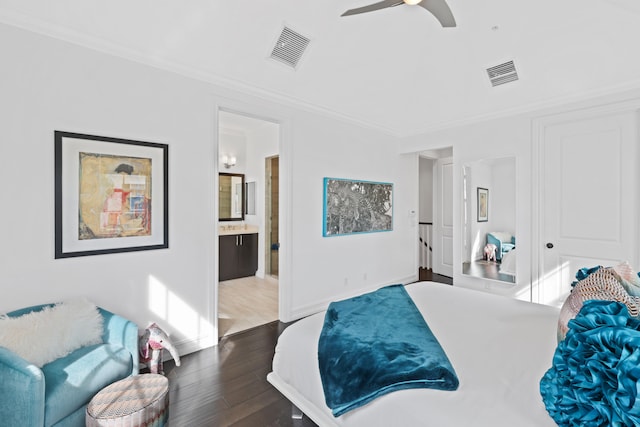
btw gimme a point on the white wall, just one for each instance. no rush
(49, 85)
(503, 195)
(348, 265)
(502, 137)
(232, 144)
(425, 177)
(507, 137)
(262, 142)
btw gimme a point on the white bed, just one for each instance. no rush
(499, 348)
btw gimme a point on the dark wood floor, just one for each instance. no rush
(487, 270)
(424, 274)
(226, 385)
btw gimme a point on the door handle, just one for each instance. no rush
(550, 245)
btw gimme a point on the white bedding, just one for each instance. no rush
(499, 347)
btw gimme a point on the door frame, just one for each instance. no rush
(285, 191)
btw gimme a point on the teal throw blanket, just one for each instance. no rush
(377, 343)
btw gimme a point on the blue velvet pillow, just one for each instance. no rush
(595, 376)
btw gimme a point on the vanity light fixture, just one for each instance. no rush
(228, 161)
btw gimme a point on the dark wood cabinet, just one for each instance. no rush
(238, 256)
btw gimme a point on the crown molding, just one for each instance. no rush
(560, 102)
(47, 29)
(100, 45)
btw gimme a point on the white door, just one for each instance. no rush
(443, 218)
(588, 198)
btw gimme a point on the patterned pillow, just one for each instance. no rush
(603, 284)
(583, 273)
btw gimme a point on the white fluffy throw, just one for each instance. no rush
(44, 336)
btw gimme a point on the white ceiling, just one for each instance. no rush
(395, 70)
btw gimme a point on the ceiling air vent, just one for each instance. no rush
(289, 47)
(503, 73)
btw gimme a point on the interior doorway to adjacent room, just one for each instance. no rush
(435, 214)
(248, 301)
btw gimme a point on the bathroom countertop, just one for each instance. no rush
(225, 230)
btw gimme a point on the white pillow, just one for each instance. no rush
(44, 336)
(628, 278)
(504, 237)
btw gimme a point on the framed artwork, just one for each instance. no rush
(483, 205)
(111, 195)
(356, 207)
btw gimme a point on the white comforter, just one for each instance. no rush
(499, 347)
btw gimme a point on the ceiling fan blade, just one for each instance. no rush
(440, 10)
(375, 6)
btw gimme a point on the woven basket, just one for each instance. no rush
(138, 401)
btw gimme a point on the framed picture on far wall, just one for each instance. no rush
(111, 195)
(483, 205)
(352, 206)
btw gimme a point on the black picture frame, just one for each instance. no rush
(483, 204)
(111, 195)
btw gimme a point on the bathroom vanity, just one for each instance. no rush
(238, 251)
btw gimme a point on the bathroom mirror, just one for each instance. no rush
(230, 197)
(489, 219)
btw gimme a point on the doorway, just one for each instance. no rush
(435, 186)
(252, 298)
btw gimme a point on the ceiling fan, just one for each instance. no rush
(438, 8)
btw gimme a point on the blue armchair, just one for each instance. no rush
(505, 242)
(57, 394)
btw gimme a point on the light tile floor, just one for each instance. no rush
(245, 303)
